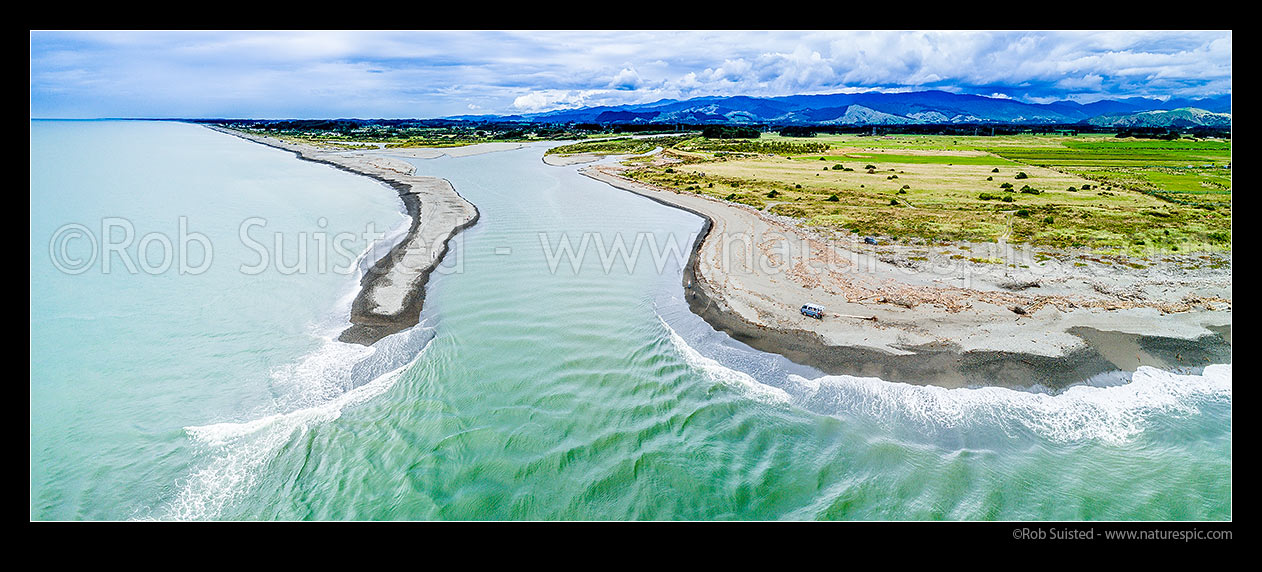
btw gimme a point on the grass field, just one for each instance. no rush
(1110, 195)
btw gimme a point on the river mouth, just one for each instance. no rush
(538, 386)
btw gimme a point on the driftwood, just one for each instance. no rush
(872, 318)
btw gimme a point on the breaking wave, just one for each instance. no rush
(738, 380)
(1112, 414)
(1114, 409)
(318, 388)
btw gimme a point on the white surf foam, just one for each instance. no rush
(241, 449)
(1114, 408)
(716, 371)
(1112, 414)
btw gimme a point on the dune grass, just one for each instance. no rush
(1110, 195)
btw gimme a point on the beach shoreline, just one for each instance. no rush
(990, 343)
(392, 291)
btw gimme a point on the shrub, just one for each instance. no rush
(1023, 213)
(893, 202)
(833, 198)
(1006, 185)
(1007, 199)
(838, 167)
(986, 196)
(1049, 220)
(1027, 189)
(995, 170)
(990, 178)
(730, 197)
(669, 170)
(773, 194)
(1021, 175)
(1072, 190)
(870, 167)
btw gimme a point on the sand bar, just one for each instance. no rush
(393, 289)
(934, 319)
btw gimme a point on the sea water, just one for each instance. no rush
(547, 379)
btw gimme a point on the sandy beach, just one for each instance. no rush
(930, 316)
(393, 290)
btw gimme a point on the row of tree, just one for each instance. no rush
(730, 132)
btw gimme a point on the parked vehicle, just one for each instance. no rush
(813, 310)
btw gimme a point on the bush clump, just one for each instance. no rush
(1021, 175)
(833, 198)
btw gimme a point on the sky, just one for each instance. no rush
(427, 74)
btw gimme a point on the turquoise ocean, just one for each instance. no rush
(187, 288)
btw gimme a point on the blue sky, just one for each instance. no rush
(396, 74)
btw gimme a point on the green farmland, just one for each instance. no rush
(1124, 196)
(1183, 172)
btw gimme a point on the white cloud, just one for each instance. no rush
(549, 99)
(627, 78)
(378, 74)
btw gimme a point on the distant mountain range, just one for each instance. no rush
(922, 107)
